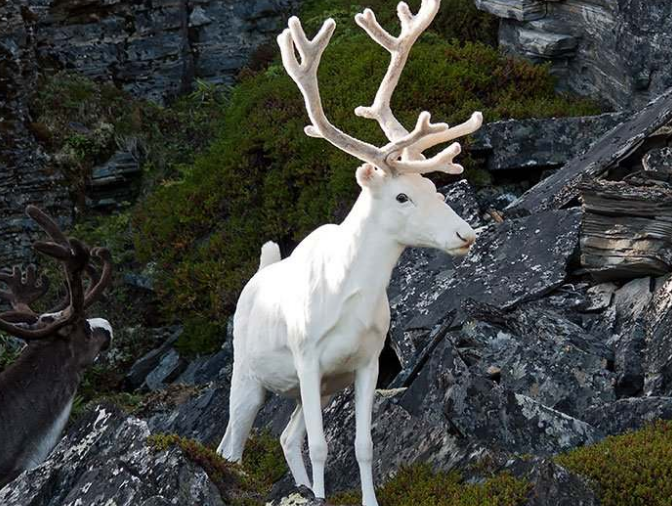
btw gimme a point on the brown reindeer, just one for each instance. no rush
(37, 391)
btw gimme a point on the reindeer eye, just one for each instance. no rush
(402, 198)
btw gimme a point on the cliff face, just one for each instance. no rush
(154, 49)
(618, 49)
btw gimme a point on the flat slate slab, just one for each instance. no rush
(561, 188)
(541, 143)
(516, 261)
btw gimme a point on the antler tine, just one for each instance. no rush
(47, 224)
(304, 75)
(23, 290)
(411, 160)
(399, 47)
(466, 128)
(98, 286)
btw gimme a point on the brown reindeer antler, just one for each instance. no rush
(74, 257)
(24, 288)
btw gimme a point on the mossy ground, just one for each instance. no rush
(241, 485)
(633, 469)
(417, 485)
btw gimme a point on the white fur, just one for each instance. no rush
(101, 323)
(270, 254)
(312, 324)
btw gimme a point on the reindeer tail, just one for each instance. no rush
(270, 254)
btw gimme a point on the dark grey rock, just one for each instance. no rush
(562, 187)
(629, 414)
(169, 368)
(115, 182)
(544, 356)
(551, 484)
(628, 342)
(450, 418)
(516, 261)
(203, 417)
(522, 10)
(25, 176)
(418, 272)
(105, 459)
(623, 57)
(145, 366)
(540, 143)
(658, 338)
(657, 163)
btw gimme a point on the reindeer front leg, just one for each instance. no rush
(310, 379)
(365, 389)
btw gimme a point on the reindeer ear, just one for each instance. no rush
(368, 176)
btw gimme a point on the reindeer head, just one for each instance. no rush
(407, 203)
(67, 321)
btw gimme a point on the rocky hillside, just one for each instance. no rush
(616, 49)
(533, 372)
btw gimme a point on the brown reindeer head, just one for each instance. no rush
(67, 320)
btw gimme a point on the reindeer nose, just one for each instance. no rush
(467, 238)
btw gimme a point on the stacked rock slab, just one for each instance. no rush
(610, 48)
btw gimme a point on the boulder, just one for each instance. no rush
(417, 273)
(657, 164)
(628, 414)
(563, 186)
(105, 459)
(628, 341)
(159, 364)
(542, 355)
(115, 182)
(540, 143)
(516, 261)
(658, 339)
(551, 484)
(615, 50)
(450, 418)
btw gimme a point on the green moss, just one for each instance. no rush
(242, 485)
(263, 178)
(83, 122)
(200, 337)
(264, 461)
(633, 469)
(457, 19)
(417, 485)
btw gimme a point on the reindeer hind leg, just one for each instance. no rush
(246, 399)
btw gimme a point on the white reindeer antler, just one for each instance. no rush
(403, 154)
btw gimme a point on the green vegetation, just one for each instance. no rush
(242, 485)
(457, 19)
(200, 336)
(417, 485)
(83, 122)
(263, 179)
(634, 469)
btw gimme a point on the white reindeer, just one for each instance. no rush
(312, 324)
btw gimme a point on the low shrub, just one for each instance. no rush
(242, 485)
(633, 469)
(417, 485)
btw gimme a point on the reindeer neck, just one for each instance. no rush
(49, 369)
(369, 253)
